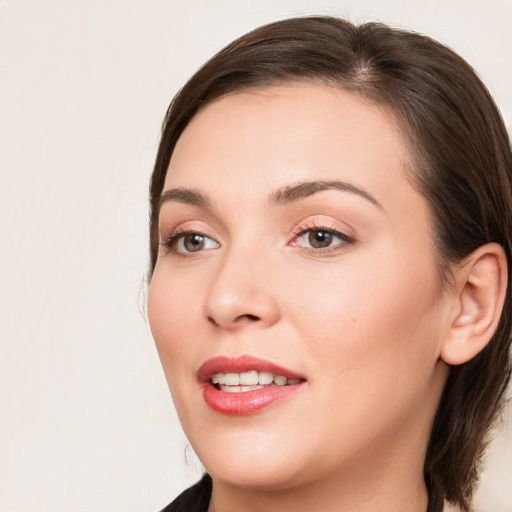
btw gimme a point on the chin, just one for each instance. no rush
(249, 459)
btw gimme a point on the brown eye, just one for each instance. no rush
(193, 242)
(320, 239)
(188, 242)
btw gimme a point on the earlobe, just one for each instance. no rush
(479, 296)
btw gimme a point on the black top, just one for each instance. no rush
(194, 499)
(197, 499)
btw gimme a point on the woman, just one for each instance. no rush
(330, 298)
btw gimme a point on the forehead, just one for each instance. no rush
(276, 135)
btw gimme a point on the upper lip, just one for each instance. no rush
(245, 363)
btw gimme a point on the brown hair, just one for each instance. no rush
(463, 166)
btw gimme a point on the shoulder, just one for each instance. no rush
(194, 499)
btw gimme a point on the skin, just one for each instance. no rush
(364, 320)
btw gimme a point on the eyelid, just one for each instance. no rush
(325, 224)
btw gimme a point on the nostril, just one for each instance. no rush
(212, 321)
(238, 320)
(252, 318)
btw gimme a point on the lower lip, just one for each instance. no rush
(249, 402)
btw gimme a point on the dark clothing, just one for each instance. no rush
(194, 499)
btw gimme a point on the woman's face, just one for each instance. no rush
(294, 246)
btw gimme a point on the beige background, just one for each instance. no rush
(86, 423)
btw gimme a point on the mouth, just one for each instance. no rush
(245, 385)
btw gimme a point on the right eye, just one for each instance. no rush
(188, 242)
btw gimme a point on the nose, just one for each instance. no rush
(241, 294)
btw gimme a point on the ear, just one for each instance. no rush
(480, 289)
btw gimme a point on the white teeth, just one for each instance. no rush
(249, 378)
(232, 379)
(246, 381)
(280, 380)
(265, 378)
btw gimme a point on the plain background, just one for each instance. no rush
(86, 421)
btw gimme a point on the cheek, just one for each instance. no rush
(372, 341)
(171, 312)
(357, 320)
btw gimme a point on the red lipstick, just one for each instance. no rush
(243, 402)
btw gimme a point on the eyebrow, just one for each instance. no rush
(282, 196)
(186, 196)
(303, 189)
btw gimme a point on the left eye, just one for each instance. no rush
(186, 243)
(321, 239)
